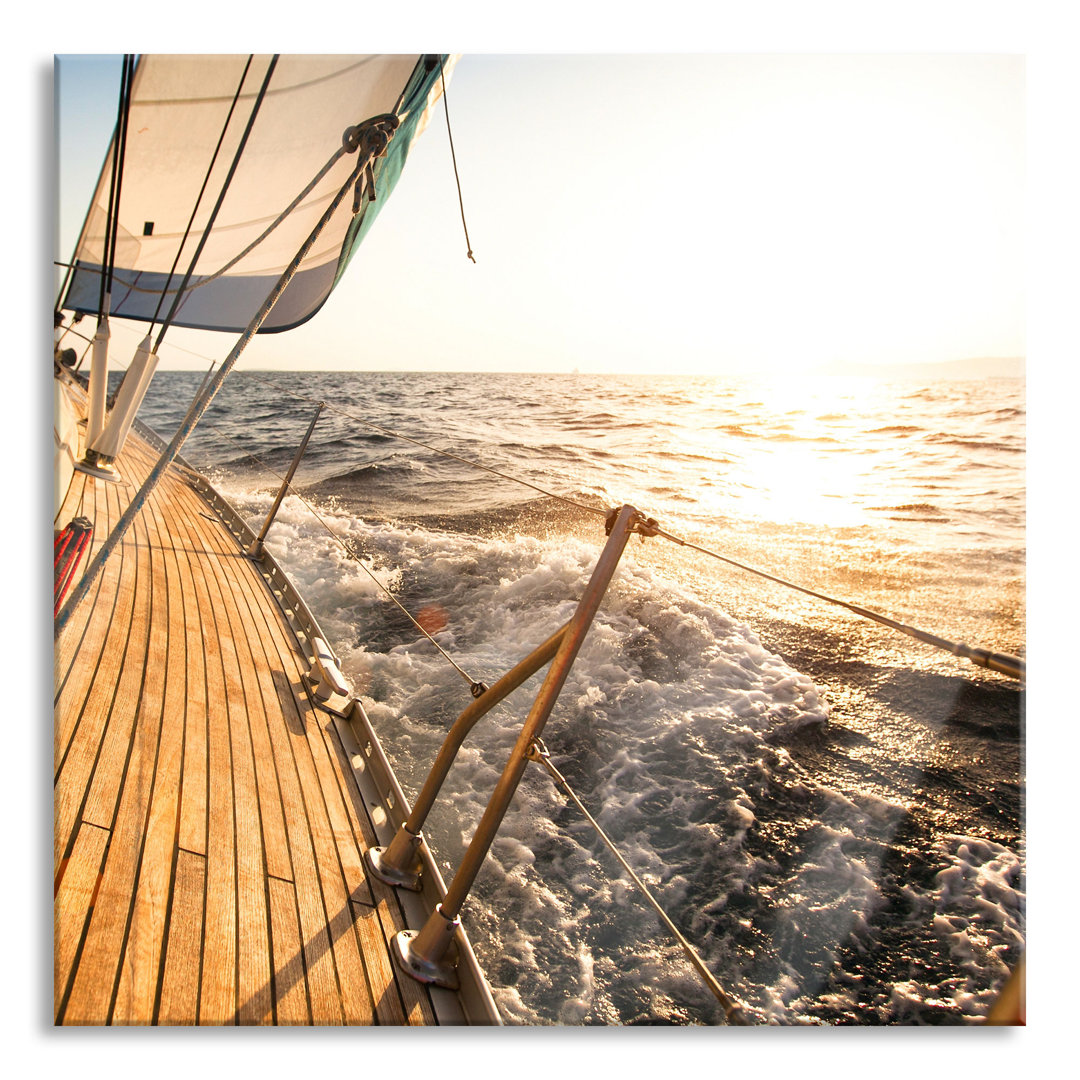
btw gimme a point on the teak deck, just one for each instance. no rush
(208, 826)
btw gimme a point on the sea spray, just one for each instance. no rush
(831, 816)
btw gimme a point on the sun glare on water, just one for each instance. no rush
(792, 455)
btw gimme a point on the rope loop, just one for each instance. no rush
(373, 134)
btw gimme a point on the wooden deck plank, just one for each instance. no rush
(330, 785)
(351, 861)
(330, 830)
(242, 584)
(131, 670)
(290, 986)
(136, 995)
(255, 1004)
(323, 987)
(207, 827)
(191, 831)
(359, 1008)
(79, 765)
(231, 887)
(265, 796)
(183, 949)
(319, 946)
(217, 997)
(125, 779)
(325, 996)
(235, 576)
(320, 894)
(354, 996)
(73, 904)
(415, 996)
(410, 1003)
(380, 968)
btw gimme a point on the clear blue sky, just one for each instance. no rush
(652, 212)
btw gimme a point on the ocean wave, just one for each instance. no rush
(975, 915)
(765, 791)
(910, 507)
(976, 444)
(364, 476)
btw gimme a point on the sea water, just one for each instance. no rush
(831, 812)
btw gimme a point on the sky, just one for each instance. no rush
(658, 212)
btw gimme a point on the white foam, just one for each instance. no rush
(672, 706)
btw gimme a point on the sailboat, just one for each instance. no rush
(217, 785)
(231, 844)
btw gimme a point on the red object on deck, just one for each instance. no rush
(68, 548)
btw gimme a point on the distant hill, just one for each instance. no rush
(988, 367)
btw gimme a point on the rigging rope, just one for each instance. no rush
(202, 191)
(453, 158)
(256, 106)
(732, 1009)
(109, 242)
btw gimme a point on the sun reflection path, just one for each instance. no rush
(798, 451)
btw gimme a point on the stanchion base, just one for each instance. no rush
(391, 875)
(102, 472)
(442, 973)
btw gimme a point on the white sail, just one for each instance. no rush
(187, 119)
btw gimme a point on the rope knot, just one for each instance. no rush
(373, 135)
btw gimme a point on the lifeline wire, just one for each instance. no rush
(1007, 665)
(732, 1009)
(347, 547)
